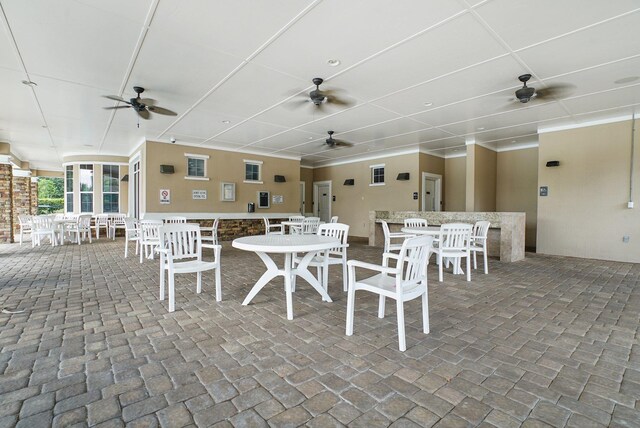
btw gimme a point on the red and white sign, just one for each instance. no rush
(165, 196)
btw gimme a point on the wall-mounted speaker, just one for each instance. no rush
(349, 182)
(279, 179)
(125, 178)
(403, 176)
(166, 169)
(553, 163)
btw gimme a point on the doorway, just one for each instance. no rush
(302, 196)
(431, 192)
(134, 188)
(322, 200)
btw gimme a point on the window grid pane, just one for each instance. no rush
(377, 175)
(86, 202)
(252, 172)
(110, 203)
(69, 202)
(195, 167)
(110, 178)
(86, 178)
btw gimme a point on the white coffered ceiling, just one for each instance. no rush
(420, 74)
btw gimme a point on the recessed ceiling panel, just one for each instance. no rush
(354, 118)
(202, 123)
(250, 132)
(605, 100)
(286, 140)
(382, 130)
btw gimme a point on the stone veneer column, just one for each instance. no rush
(34, 196)
(21, 200)
(6, 178)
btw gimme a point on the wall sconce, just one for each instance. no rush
(553, 163)
(125, 178)
(403, 176)
(349, 182)
(166, 169)
(279, 179)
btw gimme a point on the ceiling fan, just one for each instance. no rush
(335, 144)
(321, 97)
(142, 106)
(527, 93)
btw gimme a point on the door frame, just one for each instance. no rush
(135, 187)
(316, 212)
(303, 191)
(438, 196)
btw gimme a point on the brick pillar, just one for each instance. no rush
(21, 200)
(6, 179)
(34, 196)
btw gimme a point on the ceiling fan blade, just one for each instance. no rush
(160, 110)
(342, 143)
(115, 107)
(294, 104)
(144, 114)
(337, 101)
(116, 98)
(558, 91)
(147, 101)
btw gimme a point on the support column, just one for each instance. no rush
(21, 196)
(6, 215)
(34, 196)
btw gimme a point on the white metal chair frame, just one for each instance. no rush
(333, 256)
(272, 229)
(406, 281)
(479, 243)
(131, 233)
(415, 222)
(116, 221)
(25, 225)
(455, 240)
(181, 252)
(149, 237)
(389, 237)
(309, 226)
(213, 238)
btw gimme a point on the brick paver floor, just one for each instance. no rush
(549, 341)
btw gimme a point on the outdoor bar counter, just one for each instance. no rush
(505, 239)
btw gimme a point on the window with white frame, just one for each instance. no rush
(377, 175)
(252, 171)
(86, 188)
(68, 188)
(110, 188)
(196, 166)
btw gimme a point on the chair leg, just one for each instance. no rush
(486, 264)
(20, 236)
(143, 249)
(325, 278)
(440, 276)
(161, 282)
(351, 297)
(425, 312)
(381, 304)
(126, 248)
(475, 260)
(402, 343)
(344, 273)
(218, 285)
(172, 303)
(199, 282)
(468, 266)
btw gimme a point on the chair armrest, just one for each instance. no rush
(387, 256)
(212, 246)
(162, 250)
(371, 266)
(400, 235)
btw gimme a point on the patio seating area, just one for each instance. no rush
(85, 341)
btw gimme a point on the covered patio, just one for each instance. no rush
(545, 341)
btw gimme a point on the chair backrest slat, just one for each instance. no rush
(310, 225)
(335, 230)
(413, 261)
(182, 240)
(455, 236)
(415, 222)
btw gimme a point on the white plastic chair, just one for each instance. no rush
(296, 218)
(455, 239)
(213, 230)
(181, 252)
(175, 219)
(479, 243)
(406, 281)
(334, 256)
(116, 221)
(389, 237)
(42, 226)
(415, 222)
(309, 226)
(101, 220)
(272, 229)
(81, 229)
(334, 219)
(25, 225)
(149, 237)
(131, 233)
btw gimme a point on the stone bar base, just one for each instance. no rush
(505, 239)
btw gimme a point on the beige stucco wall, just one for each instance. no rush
(353, 203)
(222, 166)
(485, 179)
(585, 213)
(433, 165)
(455, 176)
(306, 175)
(517, 187)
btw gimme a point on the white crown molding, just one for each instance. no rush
(518, 147)
(368, 158)
(586, 124)
(456, 155)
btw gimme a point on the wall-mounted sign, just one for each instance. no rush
(277, 199)
(165, 196)
(544, 190)
(228, 192)
(199, 194)
(263, 200)
(415, 196)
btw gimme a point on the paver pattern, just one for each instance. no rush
(549, 341)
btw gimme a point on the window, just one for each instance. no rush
(196, 167)
(69, 188)
(110, 188)
(86, 188)
(252, 171)
(377, 175)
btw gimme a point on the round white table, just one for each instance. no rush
(429, 230)
(262, 245)
(289, 224)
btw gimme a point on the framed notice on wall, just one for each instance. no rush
(199, 194)
(165, 196)
(228, 192)
(263, 200)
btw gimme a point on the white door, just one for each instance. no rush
(322, 199)
(431, 192)
(134, 188)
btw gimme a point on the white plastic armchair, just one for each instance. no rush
(116, 221)
(174, 219)
(415, 222)
(479, 243)
(101, 220)
(272, 229)
(406, 281)
(43, 227)
(149, 237)
(309, 226)
(211, 232)
(391, 238)
(25, 225)
(81, 229)
(455, 239)
(181, 252)
(131, 233)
